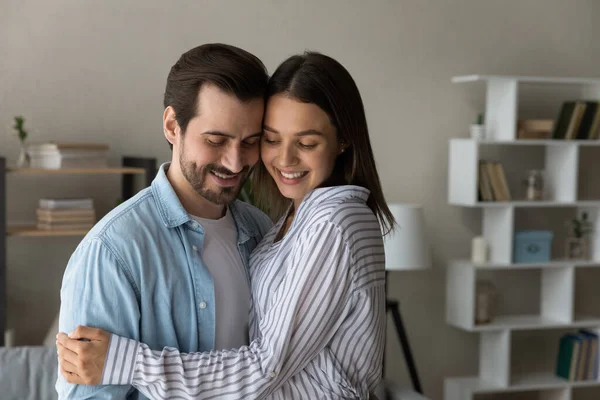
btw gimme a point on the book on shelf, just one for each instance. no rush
(578, 120)
(493, 185)
(66, 215)
(68, 155)
(66, 203)
(577, 358)
(64, 227)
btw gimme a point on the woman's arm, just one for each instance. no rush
(308, 307)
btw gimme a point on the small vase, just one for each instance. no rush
(23, 159)
(486, 299)
(477, 131)
(576, 248)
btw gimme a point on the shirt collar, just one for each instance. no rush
(342, 192)
(170, 209)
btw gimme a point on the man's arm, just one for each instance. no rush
(97, 291)
(307, 310)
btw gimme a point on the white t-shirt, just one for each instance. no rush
(232, 291)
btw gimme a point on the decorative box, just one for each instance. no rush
(532, 246)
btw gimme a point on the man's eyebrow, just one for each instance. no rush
(307, 132)
(218, 133)
(227, 135)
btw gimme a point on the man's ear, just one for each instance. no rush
(171, 128)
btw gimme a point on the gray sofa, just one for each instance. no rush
(28, 373)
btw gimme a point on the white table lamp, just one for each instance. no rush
(406, 248)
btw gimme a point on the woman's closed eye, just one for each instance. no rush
(307, 146)
(269, 140)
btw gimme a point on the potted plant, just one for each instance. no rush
(19, 128)
(579, 230)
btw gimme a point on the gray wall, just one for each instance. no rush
(95, 71)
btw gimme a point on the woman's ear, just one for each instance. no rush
(171, 128)
(343, 147)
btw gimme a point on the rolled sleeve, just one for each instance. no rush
(97, 291)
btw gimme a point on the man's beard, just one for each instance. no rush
(197, 178)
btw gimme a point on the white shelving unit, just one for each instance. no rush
(557, 278)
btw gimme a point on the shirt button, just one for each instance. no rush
(202, 305)
(273, 374)
(195, 225)
(195, 248)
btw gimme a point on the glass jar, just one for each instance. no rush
(535, 185)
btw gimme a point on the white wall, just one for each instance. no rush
(95, 71)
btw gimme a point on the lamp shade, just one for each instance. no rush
(407, 248)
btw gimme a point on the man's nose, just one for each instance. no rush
(234, 159)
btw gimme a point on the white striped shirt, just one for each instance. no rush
(317, 322)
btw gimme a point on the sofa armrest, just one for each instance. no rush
(28, 373)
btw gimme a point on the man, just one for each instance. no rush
(169, 266)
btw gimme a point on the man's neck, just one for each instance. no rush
(193, 203)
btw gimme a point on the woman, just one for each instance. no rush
(317, 319)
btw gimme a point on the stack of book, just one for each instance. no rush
(68, 155)
(492, 182)
(578, 120)
(66, 214)
(578, 356)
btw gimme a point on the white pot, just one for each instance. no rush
(477, 131)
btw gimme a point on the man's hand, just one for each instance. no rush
(82, 355)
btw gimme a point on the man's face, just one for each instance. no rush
(221, 144)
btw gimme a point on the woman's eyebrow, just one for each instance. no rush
(307, 132)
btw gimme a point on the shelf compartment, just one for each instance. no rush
(548, 385)
(588, 183)
(537, 204)
(538, 142)
(527, 79)
(535, 353)
(544, 299)
(586, 392)
(587, 295)
(560, 163)
(518, 266)
(504, 93)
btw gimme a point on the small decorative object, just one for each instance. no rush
(479, 250)
(478, 129)
(533, 129)
(535, 185)
(532, 246)
(22, 133)
(577, 242)
(9, 338)
(486, 297)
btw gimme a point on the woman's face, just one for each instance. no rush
(299, 146)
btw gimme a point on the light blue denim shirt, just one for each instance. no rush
(139, 273)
